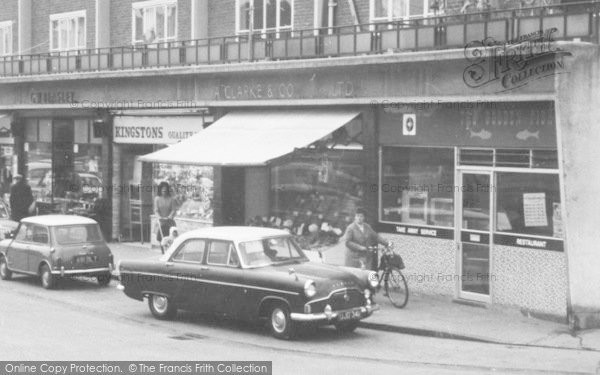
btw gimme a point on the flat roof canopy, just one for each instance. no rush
(253, 138)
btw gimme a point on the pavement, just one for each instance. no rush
(443, 317)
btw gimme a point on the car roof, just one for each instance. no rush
(234, 233)
(56, 220)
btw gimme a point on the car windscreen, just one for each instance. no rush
(270, 251)
(74, 234)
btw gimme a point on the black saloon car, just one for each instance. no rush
(250, 273)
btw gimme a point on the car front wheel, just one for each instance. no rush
(282, 326)
(162, 307)
(5, 273)
(47, 278)
(346, 327)
(103, 280)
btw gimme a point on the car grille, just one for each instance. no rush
(346, 299)
(338, 302)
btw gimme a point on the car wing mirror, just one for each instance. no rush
(9, 235)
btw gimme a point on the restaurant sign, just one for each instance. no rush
(155, 130)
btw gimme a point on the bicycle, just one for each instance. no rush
(390, 265)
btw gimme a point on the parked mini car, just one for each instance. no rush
(6, 224)
(54, 246)
(250, 273)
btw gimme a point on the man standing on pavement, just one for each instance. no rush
(359, 236)
(21, 199)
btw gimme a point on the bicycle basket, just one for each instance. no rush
(395, 260)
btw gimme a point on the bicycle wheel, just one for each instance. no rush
(396, 287)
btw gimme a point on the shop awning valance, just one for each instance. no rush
(253, 138)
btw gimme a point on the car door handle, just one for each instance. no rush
(169, 264)
(204, 268)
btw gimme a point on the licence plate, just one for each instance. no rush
(85, 259)
(349, 315)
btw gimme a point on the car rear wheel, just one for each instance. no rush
(104, 280)
(346, 327)
(5, 273)
(282, 326)
(47, 278)
(162, 307)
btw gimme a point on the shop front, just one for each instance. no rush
(474, 191)
(65, 161)
(135, 183)
(302, 170)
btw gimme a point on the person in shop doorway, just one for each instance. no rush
(164, 209)
(359, 237)
(21, 199)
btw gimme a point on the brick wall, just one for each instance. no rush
(40, 23)
(221, 18)
(9, 12)
(304, 14)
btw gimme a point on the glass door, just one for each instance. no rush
(475, 197)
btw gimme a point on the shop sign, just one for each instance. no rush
(52, 97)
(155, 130)
(529, 242)
(417, 231)
(475, 124)
(307, 87)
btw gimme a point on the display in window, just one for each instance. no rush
(192, 188)
(528, 204)
(314, 196)
(534, 209)
(417, 186)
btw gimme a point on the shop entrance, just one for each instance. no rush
(475, 200)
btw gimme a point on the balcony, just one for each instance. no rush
(572, 21)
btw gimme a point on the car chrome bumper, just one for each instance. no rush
(63, 272)
(365, 312)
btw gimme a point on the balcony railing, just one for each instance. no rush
(572, 21)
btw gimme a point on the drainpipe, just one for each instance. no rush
(332, 4)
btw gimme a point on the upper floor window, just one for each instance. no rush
(389, 10)
(6, 41)
(267, 15)
(154, 21)
(67, 31)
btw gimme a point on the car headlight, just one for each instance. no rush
(373, 279)
(309, 288)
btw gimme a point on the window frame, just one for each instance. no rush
(231, 248)
(154, 4)
(180, 248)
(390, 17)
(278, 28)
(68, 16)
(380, 192)
(5, 26)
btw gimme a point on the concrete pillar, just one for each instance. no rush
(578, 111)
(24, 27)
(199, 19)
(102, 23)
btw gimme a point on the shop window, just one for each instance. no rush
(39, 169)
(417, 186)
(6, 38)
(154, 21)
(529, 204)
(315, 194)
(68, 31)
(389, 10)
(268, 15)
(192, 188)
(515, 158)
